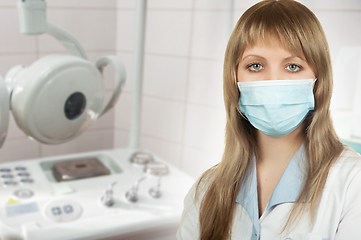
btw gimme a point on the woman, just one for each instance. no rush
(284, 173)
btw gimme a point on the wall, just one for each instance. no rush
(183, 116)
(93, 23)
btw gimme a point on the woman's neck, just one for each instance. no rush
(278, 151)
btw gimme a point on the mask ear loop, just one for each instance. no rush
(242, 114)
(313, 84)
(238, 108)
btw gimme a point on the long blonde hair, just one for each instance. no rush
(300, 32)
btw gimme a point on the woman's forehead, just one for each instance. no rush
(273, 43)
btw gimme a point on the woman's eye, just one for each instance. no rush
(293, 68)
(255, 67)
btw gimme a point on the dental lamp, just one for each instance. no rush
(58, 97)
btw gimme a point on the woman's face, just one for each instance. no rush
(272, 62)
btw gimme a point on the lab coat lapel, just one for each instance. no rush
(286, 190)
(248, 196)
(291, 182)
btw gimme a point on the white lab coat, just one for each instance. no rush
(338, 216)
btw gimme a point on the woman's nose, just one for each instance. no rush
(274, 73)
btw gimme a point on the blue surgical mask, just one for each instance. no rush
(276, 107)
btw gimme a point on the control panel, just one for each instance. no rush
(98, 195)
(15, 176)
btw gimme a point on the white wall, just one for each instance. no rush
(183, 117)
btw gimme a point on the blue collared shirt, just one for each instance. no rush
(338, 215)
(286, 191)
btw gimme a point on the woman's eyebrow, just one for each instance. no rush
(290, 57)
(252, 55)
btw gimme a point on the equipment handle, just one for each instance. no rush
(119, 78)
(4, 111)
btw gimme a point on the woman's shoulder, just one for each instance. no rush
(346, 167)
(197, 191)
(349, 160)
(344, 187)
(189, 227)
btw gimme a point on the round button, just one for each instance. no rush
(20, 168)
(27, 180)
(63, 210)
(24, 193)
(5, 170)
(23, 174)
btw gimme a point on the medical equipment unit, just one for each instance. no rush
(97, 195)
(113, 194)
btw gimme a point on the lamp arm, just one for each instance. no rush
(32, 18)
(67, 40)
